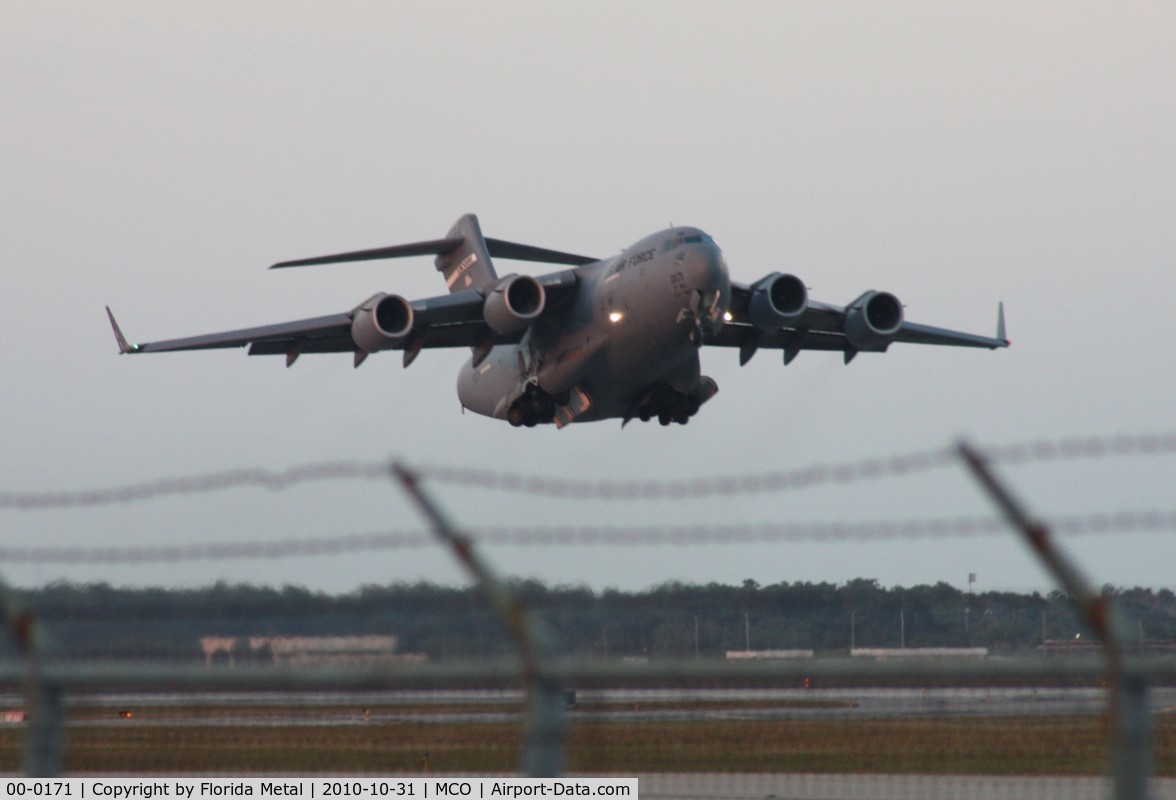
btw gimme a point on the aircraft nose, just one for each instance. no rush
(710, 268)
(715, 262)
(709, 279)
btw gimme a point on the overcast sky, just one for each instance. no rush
(157, 157)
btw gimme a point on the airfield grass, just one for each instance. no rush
(301, 745)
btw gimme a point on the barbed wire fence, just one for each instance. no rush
(1123, 521)
(45, 685)
(836, 473)
(1119, 522)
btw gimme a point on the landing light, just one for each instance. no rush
(727, 316)
(615, 316)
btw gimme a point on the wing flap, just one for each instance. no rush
(742, 335)
(464, 335)
(277, 347)
(925, 334)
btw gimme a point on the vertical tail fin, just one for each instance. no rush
(467, 266)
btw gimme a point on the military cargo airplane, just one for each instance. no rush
(612, 338)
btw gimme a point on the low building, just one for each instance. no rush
(307, 650)
(887, 653)
(767, 655)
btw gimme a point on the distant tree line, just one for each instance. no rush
(668, 621)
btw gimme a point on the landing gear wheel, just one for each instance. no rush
(515, 416)
(543, 407)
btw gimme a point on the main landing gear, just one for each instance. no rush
(668, 405)
(533, 407)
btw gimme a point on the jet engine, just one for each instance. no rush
(872, 320)
(776, 301)
(514, 303)
(381, 323)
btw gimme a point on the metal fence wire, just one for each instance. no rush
(862, 722)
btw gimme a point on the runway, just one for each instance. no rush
(619, 706)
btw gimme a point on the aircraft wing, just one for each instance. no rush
(872, 322)
(452, 320)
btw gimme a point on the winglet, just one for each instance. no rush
(1000, 324)
(123, 345)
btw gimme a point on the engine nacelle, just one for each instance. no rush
(514, 303)
(872, 320)
(381, 323)
(776, 301)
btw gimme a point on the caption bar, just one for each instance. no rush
(319, 788)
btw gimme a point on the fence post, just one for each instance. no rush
(45, 722)
(44, 730)
(544, 739)
(1131, 749)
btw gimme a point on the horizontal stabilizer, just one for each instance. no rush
(525, 252)
(497, 248)
(430, 248)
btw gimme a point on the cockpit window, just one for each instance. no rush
(681, 239)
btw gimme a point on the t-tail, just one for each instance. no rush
(466, 265)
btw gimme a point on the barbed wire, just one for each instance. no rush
(198, 484)
(1121, 522)
(838, 473)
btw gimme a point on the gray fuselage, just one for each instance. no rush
(630, 329)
